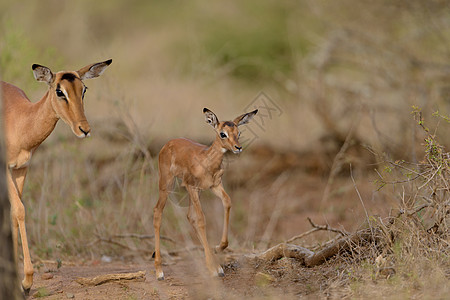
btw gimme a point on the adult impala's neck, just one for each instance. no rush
(42, 121)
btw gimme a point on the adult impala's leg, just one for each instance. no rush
(12, 192)
(165, 183)
(16, 179)
(226, 201)
(199, 225)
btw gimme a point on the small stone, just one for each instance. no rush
(106, 259)
(47, 276)
(70, 295)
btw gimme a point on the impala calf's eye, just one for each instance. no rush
(223, 135)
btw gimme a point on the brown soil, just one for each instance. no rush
(186, 279)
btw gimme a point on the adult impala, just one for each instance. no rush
(199, 167)
(28, 124)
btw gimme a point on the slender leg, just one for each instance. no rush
(165, 181)
(16, 179)
(199, 226)
(226, 201)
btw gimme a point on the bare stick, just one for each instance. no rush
(302, 235)
(110, 241)
(141, 236)
(360, 199)
(314, 229)
(111, 277)
(338, 160)
(327, 227)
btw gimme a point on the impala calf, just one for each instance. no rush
(28, 124)
(199, 167)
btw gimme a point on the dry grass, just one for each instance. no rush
(344, 74)
(411, 257)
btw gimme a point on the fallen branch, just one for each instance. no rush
(285, 250)
(310, 258)
(111, 277)
(341, 244)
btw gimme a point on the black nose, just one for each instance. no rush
(81, 129)
(239, 148)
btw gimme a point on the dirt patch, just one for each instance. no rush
(186, 278)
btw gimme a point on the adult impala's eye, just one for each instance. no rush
(60, 94)
(223, 135)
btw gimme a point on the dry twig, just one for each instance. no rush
(141, 236)
(111, 241)
(316, 228)
(111, 277)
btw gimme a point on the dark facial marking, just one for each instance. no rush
(228, 123)
(68, 76)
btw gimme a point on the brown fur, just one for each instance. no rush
(27, 125)
(199, 167)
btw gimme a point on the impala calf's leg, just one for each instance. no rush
(226, 201)
(200, 225)
(16, 179)
(165, 183)
(157, 215)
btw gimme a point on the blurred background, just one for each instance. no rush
(335, 82)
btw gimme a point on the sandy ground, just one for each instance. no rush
(186, 279)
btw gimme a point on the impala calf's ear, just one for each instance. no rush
(42, 73)
(245, 118)
(94, 70)
(211, 118)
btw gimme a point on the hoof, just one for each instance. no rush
(160, 276)
(26, 291)
(220, 272)
(220, 248)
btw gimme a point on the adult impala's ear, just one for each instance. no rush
(94, 70)
(211, 118)
(42, 73)
(245, 118)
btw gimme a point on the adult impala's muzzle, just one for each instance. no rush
(86, 133)
(83, 128)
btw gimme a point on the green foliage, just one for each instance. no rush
(52, 219)
(59, 263)
(42, 292)
(253, 41)
(18, 53)
(444, 117)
